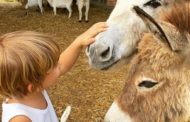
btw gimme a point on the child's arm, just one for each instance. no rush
(70, 55)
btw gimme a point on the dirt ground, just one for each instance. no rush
(90, 92)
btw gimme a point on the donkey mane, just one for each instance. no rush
(179, 16)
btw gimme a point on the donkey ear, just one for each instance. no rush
(164, 31)
(152, 25)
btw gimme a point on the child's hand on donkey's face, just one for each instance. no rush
(87, 37)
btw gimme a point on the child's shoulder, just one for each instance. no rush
(20, 111)
(17, 112)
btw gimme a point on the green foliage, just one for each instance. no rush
(4, 1)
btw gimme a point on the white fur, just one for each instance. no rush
(61, 4)
(115, 114)
(125, 30)
(66, 114)
(81, 4)
(31, 3)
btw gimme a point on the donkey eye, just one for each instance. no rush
(147, 84)
(152, 3)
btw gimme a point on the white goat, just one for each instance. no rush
(61, 4)
(31, 3)
(81, 4)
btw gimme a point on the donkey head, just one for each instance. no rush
(158, 85)
(125, 30)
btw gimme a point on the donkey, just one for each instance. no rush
(157, 88)
(124, 32)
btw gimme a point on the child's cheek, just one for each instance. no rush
(51, 78)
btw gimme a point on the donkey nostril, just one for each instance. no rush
(105, 53)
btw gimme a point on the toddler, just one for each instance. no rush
(31, 62)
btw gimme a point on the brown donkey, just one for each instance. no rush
(158, 84)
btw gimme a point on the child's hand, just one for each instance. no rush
(70, 55)
(88, 37)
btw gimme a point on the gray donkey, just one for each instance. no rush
(119, 42)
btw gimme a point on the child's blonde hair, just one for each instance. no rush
(25, 57)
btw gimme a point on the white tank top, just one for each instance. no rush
(35, 115)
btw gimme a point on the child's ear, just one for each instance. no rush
(30, 87)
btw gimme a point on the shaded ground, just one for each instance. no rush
(88, 91)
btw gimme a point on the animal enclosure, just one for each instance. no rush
(86, 90)
(89, 92)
